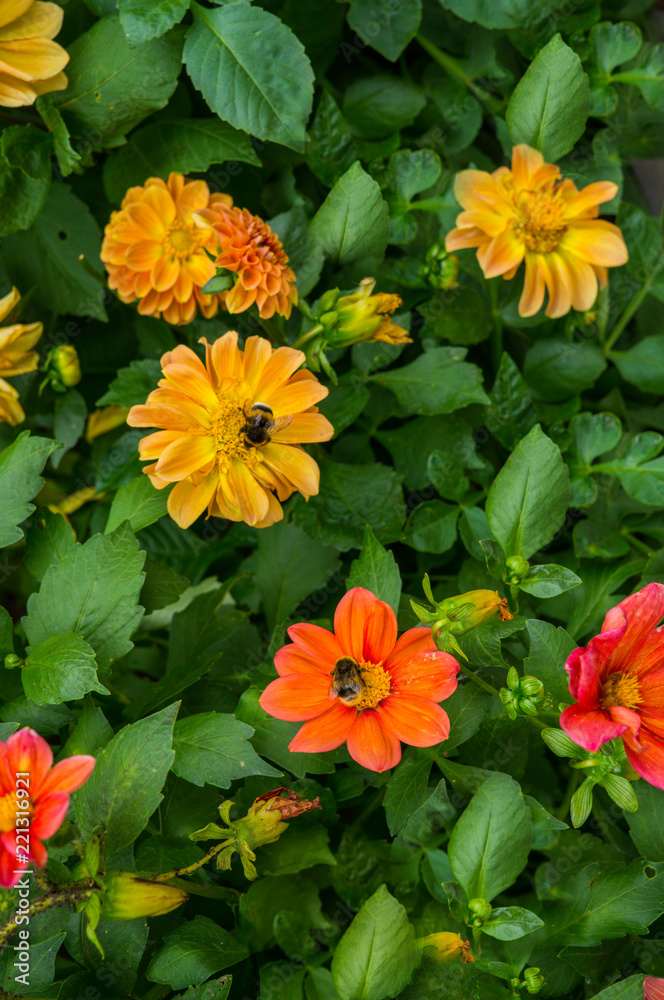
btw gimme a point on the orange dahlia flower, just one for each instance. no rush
(529, 213)
(250, 249)
(618, 683)
(232, 430)
(30, 62)
(154, 252)
(34, 798)
(362, 685)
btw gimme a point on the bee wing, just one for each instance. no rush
(279, 423)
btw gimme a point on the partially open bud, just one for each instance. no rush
(361, 316)
(456, 615)
(480, 908)
(444, 946)
(533, 979)
(127, 895)
(63, 367)
(517, 569)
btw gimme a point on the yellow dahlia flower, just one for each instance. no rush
(154, 252)
(529, 213)
(231, 430)
(250, 249)
(31, 63)
(16, 357)
(11, 411)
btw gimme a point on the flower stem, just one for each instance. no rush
(572, 785)
(477, 680)
(497, 336)
(177, 872)
(630, 309)
(72, 892)
(455, 70)
(309, 335)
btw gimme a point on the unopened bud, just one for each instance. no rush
(444, 946)
(105, 420)
(63, 367)
(480, 908)
(530, 685)
(533, 979)
(12, 661)
(517, 569)
(582, 803)
(127, 895)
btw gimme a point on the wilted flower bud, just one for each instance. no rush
(444, 946)
(63, 367)
(127, 895)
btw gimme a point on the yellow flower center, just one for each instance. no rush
(181, 241)
(229, 440)
(376, 685)
(8, 813)
(539, 222)
(621, 689)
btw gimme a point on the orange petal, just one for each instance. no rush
(200, 269)
(525, 162)
(293, 398)
(294, 465)
(532, 296)
(292, 660)
(305, 428)
(502, 254)
(371, 744)
(152, 446)
(159, 199)
(365, 627)
(595, 241)
(144, 255)
(416, 721)
(316, 641)
(297, 697)
(251, 497)
(49, 814)
(464, 239)
(278, 368)
(558, 287)
(68, 775)
(186, 455)
(583, 282)
(223, 357)
(589, 197)
(165, 272)
(327, 732)
(474, 187)
(27, 751)
(146, 219)
(186, 502)
(257, 353)
(194, 195)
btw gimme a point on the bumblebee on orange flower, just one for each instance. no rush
(528, 213)
(232, 429)
(361, 685)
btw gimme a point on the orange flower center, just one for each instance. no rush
(229, 440)
(375, 682)
(621, 689)
(182, 241)
(8, 813)
(539, 222)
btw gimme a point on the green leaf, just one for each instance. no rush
(297, 849)
(376, 106)
(132, 385)
(628, 989)
(641, 475)
(594, 434)
(406, 791)
(376, 569)
(412, 171)
(330, 147)
(125, 787)
(462, 317)
(549, 649)
(93, 592)
(482, 644)
(490, 843)
(69, 423)
(252, 71)
(376, 956)
(556, 368)
(59, 669)
(218, 990)
(549, 580)
(646, 825)
(583, 609)
(614, 44)
(162, 587)
(114, 86)
(352, 496)
(648, 77)
(511, 414)
(432, 527)
(66, 156)
(439, 381)
(41, 964)
(20, 465)
(146, 19)
(466, 707)
(48, 257)
(25, 175)
(643, 364)
(351, 227)
(508, 923)
(215, 749)
(450, 434)
(289, 566)
(550, 105)
(507, 14)
(272, 736)
(426, 822)
(185, 145)
(193, 952)
(137, 502)
(445, 471)
(528, 499)
(386, 29)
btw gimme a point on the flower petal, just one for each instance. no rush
(186, 455)
(365, 627)
(292, 660)
(29, 752)
(416, 721)
(428, 675)
(187, 501)
(590, 728)
(297, 696)
(371, 744)
(316, 641)
(327, 732)
(595, 241)
(294, 465)
(49, 814)
(648, 762)
(632, 621)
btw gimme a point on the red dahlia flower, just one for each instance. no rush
(653, 988)
(26, 759)
(362, 685)
(618, 682)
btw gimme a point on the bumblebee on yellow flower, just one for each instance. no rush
(528, 213)
(232, 430)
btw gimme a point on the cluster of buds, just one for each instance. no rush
(456, 615)
(62, 368)
(444, 946)
(533, 981)
(522, 694)
(354, 318)
(440, 268)
(263, 824)
(607, 767)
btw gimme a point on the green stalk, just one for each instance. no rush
(454, 69)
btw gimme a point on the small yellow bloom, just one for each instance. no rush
(17, 339)
(30, 62)
(127, 895)
(63, 367)
(529, 213)
(444, 946)
(105, 420)
(11, 411)
(360, 316)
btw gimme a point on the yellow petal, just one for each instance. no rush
(295, 465)
(532, 296)
(32, 58)
(186, 455)
(251, 497)
(305, 428)
(8, 302)
(42, 20)
(11, 10)
(595, 241)
(186, 501)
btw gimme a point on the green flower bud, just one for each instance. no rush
(517, 569)
(480, 908)
(620, 790)
(582, 803)
(12, 661)
(513, 678)
(530, 685)
(63, 367)
(528, 706)
(127, 895)
(533, 980)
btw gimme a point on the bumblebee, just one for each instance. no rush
(347, 683)
(260, 423)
